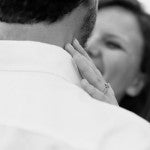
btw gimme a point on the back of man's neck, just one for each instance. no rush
(52, 34)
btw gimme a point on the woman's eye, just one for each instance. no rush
(113, 45)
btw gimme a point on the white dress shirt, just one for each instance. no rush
(42, 106)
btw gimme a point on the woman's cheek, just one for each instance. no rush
(118, 69)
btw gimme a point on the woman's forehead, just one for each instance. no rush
(120, 22)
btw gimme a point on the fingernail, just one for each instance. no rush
(68, 46)
(84, 81)
(76, 41)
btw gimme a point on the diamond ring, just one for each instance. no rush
(106, 87)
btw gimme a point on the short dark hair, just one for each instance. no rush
(34, 11)
(136, 104)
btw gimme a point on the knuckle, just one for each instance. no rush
(97, 83)
(92, 91)
(98, 80)
(76, 55)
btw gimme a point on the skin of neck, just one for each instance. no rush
(59, 33)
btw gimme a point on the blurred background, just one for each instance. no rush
(146, 4)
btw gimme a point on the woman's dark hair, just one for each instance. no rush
(34, 11)
(139, 103)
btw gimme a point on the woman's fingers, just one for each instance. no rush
(87, 72)
(70, 49)
(80, 49)
(85, 66)
(93, 81)
(94, 92)
(76, 50)
(97, 94)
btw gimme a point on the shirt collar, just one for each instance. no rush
(36, 56)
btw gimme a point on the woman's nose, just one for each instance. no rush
(94, 52)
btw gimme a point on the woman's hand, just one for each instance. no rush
(93, 81)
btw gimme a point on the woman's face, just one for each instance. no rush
(116, 47)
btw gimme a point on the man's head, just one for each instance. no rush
(30, 12)
(34, 11)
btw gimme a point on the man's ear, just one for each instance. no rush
(137, 85)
